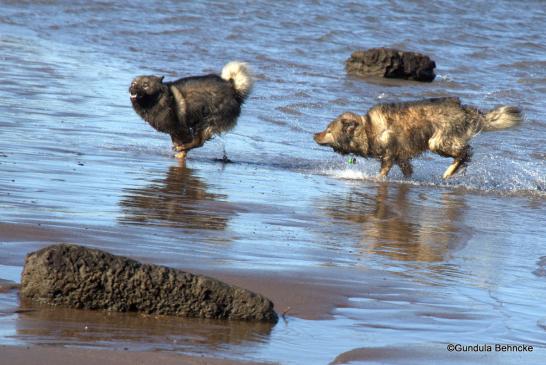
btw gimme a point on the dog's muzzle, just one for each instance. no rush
(319, 138)
(133, 91)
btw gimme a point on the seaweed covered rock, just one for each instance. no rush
(391, 63)
(80, 277)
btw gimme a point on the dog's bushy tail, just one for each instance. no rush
(239, 74)
(501, 118)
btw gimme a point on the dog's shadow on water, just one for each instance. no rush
(402, 223)
(180, 199)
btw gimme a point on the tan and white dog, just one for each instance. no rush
(395, 133)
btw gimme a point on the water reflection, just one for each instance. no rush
(402, 224)
(180, 199)
(44, 324)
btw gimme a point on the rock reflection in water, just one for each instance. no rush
(52, 325)
(403, 227)
(180, 200)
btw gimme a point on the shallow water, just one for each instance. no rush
(430, 262)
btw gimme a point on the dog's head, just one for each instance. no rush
(146, 89)
(345, 134)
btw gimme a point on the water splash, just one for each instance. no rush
(488, 175)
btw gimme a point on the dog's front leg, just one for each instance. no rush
(196, 142)
(181, 155)
(386, 165)
(179, 147)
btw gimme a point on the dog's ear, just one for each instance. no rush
(349, 126)
(161, 78)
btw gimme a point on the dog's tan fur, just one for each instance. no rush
(395, 133)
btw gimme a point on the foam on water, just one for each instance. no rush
(489, 175)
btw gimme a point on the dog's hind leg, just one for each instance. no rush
(405, 167)
(452, 169)
(450, 146)
(462, 158)
(386, 164)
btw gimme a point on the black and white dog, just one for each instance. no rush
(192, 109)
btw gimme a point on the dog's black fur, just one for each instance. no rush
(193, 109)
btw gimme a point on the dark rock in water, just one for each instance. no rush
(86, 278)
(391, 63)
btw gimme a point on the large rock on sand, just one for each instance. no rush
(81, 277)
(391, 63)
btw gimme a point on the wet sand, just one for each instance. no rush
(312, 293)
(433, 355)
(309, 294)
(6, 285)
(78, 356)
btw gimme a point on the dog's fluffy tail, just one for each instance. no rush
(501, 118)
(239, 74)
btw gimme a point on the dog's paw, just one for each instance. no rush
(181, 155)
